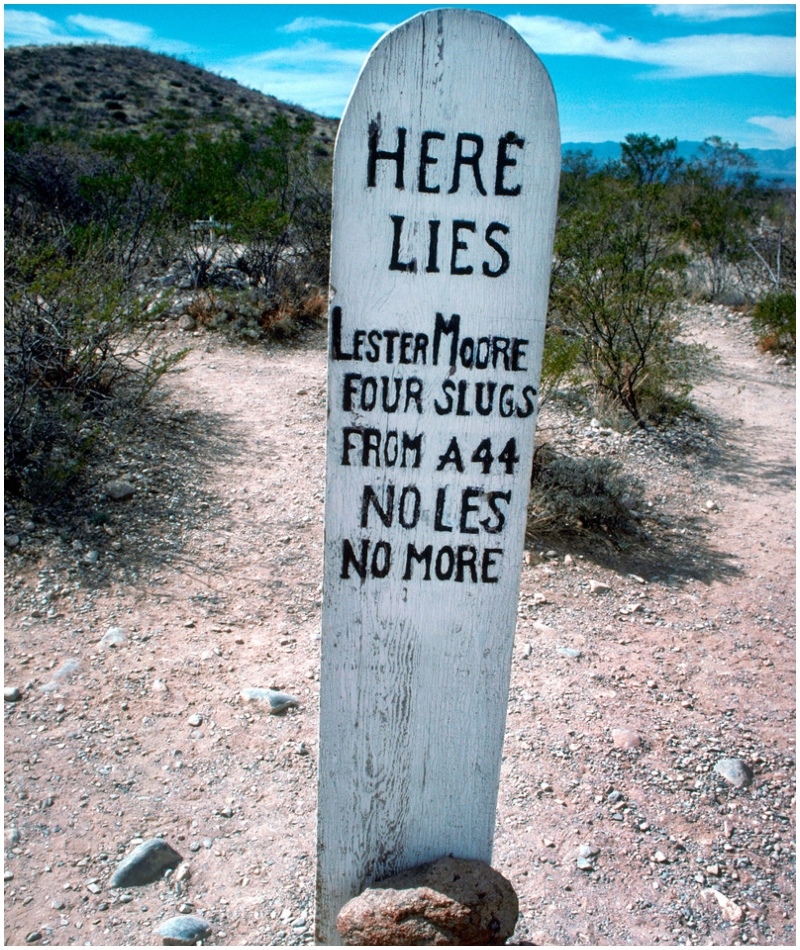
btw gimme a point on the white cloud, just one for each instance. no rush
(316, 74)
(23, 28)
(783, 129)
(713, 12)
(303, 24)
(678, 57)
(26, 28)
(113, 31)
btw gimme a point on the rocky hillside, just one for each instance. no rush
(111, 88)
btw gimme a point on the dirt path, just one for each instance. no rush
(211, 576)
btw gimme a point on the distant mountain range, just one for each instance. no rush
(773, 163)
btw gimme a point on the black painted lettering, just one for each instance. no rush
(502, 253)
(438, 521)
(518, 354)
(395, 263)
(375, 155)
(381, 559)
(433, 247)
(419, 557)
(445, 562)
(336, 336)
(468, 496)
(507, 404)
(509, 140)
(425, 159)
(467, 557)
(459, 245)
(451, 457)
(493, 497)
(384, 511)
(411, 446)
(472, 160)
(484, 408)
(448, 387)
(349, 559)
(529, 395)
(409, 517)
(442, 328)
(488, 562)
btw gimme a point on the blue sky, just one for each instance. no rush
(685, 70)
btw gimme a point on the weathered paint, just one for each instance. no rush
(445, 186)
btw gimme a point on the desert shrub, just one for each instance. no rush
(254, 316)
(570, 495)
(775, 322)
(76, 358)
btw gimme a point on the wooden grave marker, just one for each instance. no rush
(446, 174)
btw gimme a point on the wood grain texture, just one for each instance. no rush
(415, 672)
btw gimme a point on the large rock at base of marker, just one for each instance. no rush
(146, 864)
(448, 902)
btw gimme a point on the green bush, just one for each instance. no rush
(775, 322)
(570, 495)
(75, 363)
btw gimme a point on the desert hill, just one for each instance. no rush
(97, 88)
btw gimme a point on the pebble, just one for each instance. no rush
(119, 490)
(735, 771)
(195, 720)
(660, 858)
(187, 322)
(12, 694)
(278, 702)
(730, 910)
(626, 739)
(146, 864)
(183, 931)
(114, 637)
(598, 587)
(11, 541)
(33, 937)
(569, 652)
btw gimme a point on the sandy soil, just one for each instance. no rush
(209, 577)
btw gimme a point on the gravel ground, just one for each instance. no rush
(639, 666)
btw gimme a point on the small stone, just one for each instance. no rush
(735, 771)
(183, 931)
(91, 557)
(119, 490)
(113, 637)
(713, 870)
(598, 587)
(568, 562)
(584, 864)
(185, 908)
(730, 910)
(11, 541)
(33, 937)
(587, 851)
(187, 322)
(12, 694)
(58, 904)
(8, 875)
(660, 858)
(278, 702)
(451, 901)
(569, 652)
(195, 720)
(527, 649)
(146, 864)
(626, 739)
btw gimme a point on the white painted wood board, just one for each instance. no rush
(415, 661)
